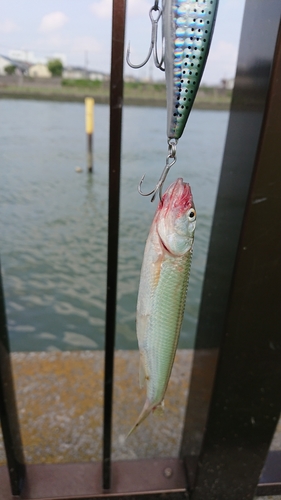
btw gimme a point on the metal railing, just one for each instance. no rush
(235, 392)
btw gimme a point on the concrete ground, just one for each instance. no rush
(60, 398)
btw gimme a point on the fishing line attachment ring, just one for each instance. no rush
(172, 148)
(170, 161)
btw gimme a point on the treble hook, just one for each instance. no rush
(171, 156)
(153, 42)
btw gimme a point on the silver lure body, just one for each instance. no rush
(187, 30)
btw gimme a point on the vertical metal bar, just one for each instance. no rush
(116, 103)
(238, 335)
(8, 409)
(245, 122)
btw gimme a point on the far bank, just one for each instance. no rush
(135, 93)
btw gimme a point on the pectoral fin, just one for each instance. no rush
(141, 374)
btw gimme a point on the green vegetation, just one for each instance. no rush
(55, 66)
(83, 83)
(130, 88)
(10, 69)
(135, 93)
(214, 93)
(140, 86)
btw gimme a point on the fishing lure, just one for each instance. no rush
(187, 29)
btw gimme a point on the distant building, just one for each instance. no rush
(130, 79)
(74, 73)
(98, 75)
(21, 66)
(77, 73)
(39, 70)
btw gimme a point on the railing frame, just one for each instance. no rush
(235, 390)
(116, 108)
(235, 395)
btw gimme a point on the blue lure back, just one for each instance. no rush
(187, 30)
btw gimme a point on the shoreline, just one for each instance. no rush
(59, 96)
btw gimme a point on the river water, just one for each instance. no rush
(54, 220)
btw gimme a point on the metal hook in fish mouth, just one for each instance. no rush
(170, 161)
(153, 41)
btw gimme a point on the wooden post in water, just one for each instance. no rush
(89, 123)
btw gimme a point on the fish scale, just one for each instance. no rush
(170, 308)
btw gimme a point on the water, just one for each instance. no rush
(54, 220)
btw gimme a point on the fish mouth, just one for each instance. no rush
(178, 195)
(176, 202)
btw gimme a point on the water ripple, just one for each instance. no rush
(54, 222)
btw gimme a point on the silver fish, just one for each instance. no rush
(162, 291)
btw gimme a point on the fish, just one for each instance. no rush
(187, 27)
(162, 291)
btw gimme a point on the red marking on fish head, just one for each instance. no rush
(177, 198)
(175, 218)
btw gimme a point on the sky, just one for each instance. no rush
(80, 32)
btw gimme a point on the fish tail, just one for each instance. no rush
(148, 407)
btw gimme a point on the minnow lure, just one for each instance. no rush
(187, 29)
(162, 291)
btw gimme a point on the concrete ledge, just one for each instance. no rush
(60, 399)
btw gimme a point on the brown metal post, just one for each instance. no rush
(8, 408)
(238, 347)
(116, 105)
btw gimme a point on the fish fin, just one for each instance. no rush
(141, 373)
(159, 409)
(144, 413)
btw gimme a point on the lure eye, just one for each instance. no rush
(191, 214)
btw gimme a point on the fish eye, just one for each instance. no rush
(191, 214)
